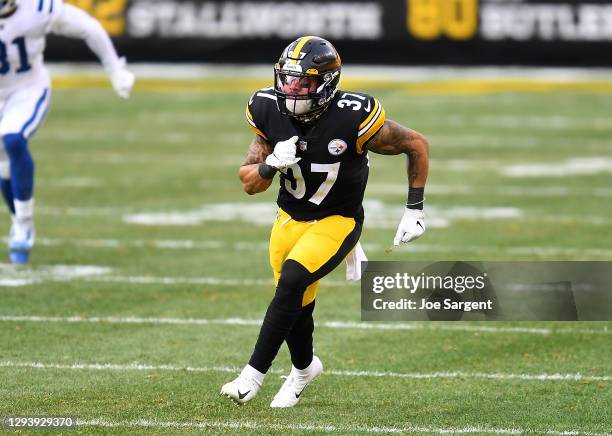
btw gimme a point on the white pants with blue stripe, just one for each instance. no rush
(23, 111)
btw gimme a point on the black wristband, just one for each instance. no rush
(266, 171)
(415, 198)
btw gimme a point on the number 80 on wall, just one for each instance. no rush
(432, 19)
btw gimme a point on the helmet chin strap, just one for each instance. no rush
(310, 117)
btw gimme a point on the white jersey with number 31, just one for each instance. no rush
(22, 42)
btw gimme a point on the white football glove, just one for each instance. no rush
(410, 227)
(122, 79)
(283, 155)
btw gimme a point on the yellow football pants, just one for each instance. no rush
(319, 246)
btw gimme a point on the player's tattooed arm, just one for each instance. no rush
(252, 182)
(258, 151)
(393, 138)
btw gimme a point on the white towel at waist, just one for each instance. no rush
(353, 263)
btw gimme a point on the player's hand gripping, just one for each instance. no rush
(411, 227)
(122, 79)
(283, 155)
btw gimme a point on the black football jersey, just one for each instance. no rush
(331, 177)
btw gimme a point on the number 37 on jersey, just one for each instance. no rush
(331, 176)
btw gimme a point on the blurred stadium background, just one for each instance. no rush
(150, 273)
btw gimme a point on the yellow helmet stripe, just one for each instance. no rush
(298, 48)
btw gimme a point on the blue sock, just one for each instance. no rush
(22, 165)
(7, 193)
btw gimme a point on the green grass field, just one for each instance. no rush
(143, 339)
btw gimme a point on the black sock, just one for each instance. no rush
(299, 339)
(284, 310)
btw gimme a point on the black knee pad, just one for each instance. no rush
(292, 284)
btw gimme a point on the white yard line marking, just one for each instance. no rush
(170, 244)
(214, 281)
(379, 215)
(472, 375)
(336, 373)
(24, 278)
(546, 122)
(252, 213)
(10, 282)
(569, 167)
(80, 211)
(324, 428)
(212, 244)
(251, 425)
(15, 276)
(122, 159)
(332, 324)
(554, 251)
(504, 142)
(71, 182)
(387, 189)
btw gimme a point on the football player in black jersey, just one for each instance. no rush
(317, 138)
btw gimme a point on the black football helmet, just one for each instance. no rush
(306, 78)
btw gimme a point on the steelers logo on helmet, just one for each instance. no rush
(306, 78)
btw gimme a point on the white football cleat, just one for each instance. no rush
(21, 241)
(290, 392)
(241, 390)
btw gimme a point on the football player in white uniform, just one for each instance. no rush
(25, 93)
